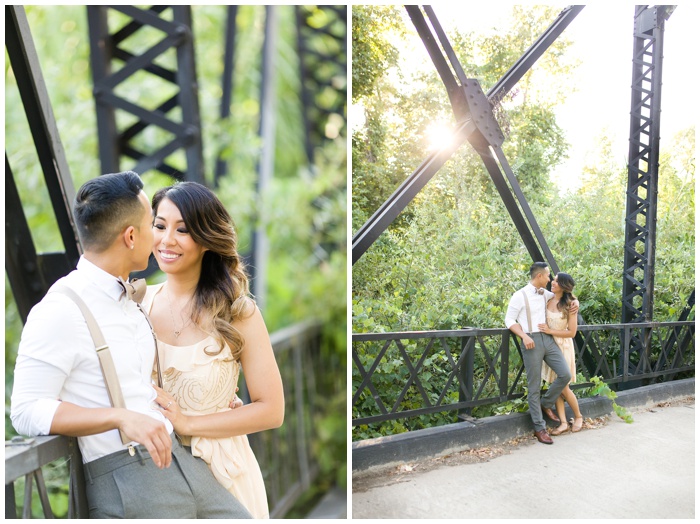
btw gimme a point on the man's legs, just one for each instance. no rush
(532, 358)
(121, 486)
(136, 489)
(554, 358)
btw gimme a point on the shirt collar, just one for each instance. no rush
(103, 280)
(533, 290)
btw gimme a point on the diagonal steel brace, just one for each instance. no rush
(479, 128)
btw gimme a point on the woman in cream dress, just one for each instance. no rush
(562, 326)
(208, 330)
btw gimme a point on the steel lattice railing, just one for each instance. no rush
(409, 374)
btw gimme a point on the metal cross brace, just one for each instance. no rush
(475, 124)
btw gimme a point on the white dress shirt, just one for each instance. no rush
(538, 305)
(57, 360)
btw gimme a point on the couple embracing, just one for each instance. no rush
(175, 451)
(546, 321)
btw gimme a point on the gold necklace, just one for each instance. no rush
(172, 317)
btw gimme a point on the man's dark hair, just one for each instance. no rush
(105, 206)
(537, 268)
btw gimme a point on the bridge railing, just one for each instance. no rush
(285, 454)
(402, 375)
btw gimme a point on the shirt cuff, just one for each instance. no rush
(42, 413)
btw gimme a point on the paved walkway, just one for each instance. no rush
(616, 470)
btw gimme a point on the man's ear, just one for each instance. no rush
(128, 237)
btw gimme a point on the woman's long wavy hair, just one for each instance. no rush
(566, 283)
(222, 294)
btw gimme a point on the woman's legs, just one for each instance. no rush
(561, 413)
(573, 402)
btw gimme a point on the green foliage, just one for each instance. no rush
(453, 257)
(372, 50)
(517, 405)
(332, 435)
(55, 475)
(601, 388)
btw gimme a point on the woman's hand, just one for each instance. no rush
(172, 412)
(236, 402)
(544, 328)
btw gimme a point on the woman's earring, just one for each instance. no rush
(132, 246)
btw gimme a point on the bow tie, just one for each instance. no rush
(539, 291)
(134, 290)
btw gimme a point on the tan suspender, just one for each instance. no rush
(527, 309)
(527, 312)
(109, 372)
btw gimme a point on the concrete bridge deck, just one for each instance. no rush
(608, 470)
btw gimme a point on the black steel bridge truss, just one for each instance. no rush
(476, 124)
(115, 68)
(123, 119)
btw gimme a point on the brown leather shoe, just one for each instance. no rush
(543, 437)
(550, 415)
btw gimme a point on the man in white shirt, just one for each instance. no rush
(538, 346)
(59, 387)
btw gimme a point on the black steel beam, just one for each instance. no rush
(444, 41)
(525, 62)
(101, 55)
(529, 216)
(492, 166)
(227, 81)
(643, 165)
(304, 74)
(482, 133)
(21, 263)
(35, 98)
(454, 93)
(189, 94)
(322, 65)
(116, 144)
(406, 192)
(31, 274)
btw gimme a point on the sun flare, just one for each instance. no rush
(439, 135)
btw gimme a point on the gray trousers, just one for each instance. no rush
(545, 350)
(121, 486)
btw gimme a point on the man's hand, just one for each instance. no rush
(151, 433)
(573, 308)
(76, 421)
(529, 343)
